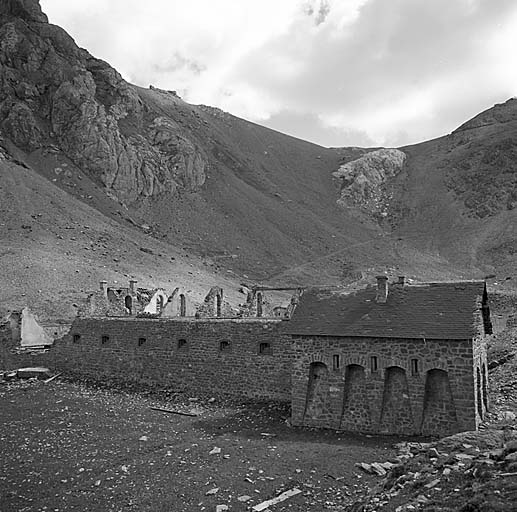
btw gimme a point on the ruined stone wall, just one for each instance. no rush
(206, 355)
(400, 386)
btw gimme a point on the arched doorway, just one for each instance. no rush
(128, 302)
(218, 305)
(183, 305)
(396, 415)
(439, 414)
(316, 403)
(356, 411)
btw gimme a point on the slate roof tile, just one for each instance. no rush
(449, 310)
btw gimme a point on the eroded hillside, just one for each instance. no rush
(239, 200)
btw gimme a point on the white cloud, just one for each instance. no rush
(365, 70)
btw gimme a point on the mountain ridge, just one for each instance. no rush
(236, 200)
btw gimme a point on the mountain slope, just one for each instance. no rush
(225, 197)
(459, 192)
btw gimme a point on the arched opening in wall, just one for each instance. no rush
(224, 346)
(183, 305)
(159, 303)
(439, 412)
(182, 344)
(260, 303)
(485, 386)
(396, 414)
(317, 398)
(355, 414)
(218, 305)
(128, 302)
(479, 397)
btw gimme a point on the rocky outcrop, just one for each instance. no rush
(364, 180)
(54, 93)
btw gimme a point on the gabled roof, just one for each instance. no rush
(431, 310)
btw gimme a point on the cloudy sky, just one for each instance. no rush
(335, 72)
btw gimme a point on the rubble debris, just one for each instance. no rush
(170, 411)
(38, 372)
(281, 497)
(52, 378)
(450, 469)
(214, 451)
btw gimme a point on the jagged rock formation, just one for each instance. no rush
(54, 93)
(364, 180)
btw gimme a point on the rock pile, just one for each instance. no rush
(464, 472)
(365, 181)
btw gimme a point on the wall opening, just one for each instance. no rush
(224, 346)
(128, 302)
(478, 393)
(317, 398)
(105, 339)
(415, 367)
(265, 349)
(141, 341)
(355, 413)
(335, 362)
(76, 338)
(374, 364)
(439, 413)
(485, 386)
(182, 343)
(218, 305)
(259, 304)
(183, 305)
(396, 415)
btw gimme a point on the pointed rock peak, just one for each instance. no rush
(29, 10)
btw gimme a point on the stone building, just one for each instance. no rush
(405, 359)
(260, 303)
(392, 358)
(124, 301)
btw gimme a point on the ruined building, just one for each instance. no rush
(391, 358)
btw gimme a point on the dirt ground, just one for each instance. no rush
(65, 446)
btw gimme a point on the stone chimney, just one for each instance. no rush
(402, 280)
(104, 288)
(382, 290)
(132, 286)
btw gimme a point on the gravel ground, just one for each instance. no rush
(67, 446)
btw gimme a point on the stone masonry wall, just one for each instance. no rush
(394, 383)
(216, 356)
